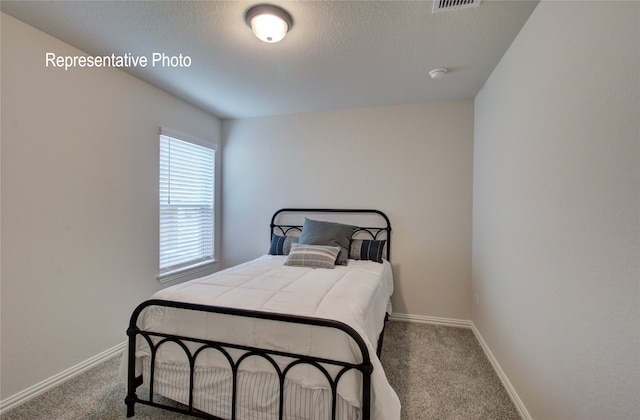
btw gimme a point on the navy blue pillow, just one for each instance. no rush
(363, 249)
(281, 245)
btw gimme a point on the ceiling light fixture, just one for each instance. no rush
(269, 23)
(437, 73)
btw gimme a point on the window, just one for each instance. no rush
(187, 179)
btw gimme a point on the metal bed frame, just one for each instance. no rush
(294, 359)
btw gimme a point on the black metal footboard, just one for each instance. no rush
(134, 332)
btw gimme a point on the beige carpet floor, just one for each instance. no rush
(442, 373)
(438, 372)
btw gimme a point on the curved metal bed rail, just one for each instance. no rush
(365, 367)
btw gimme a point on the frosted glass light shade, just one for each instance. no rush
(269, 23)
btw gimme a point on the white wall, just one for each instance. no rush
(413, 162)
(556, 210)
(79, 204)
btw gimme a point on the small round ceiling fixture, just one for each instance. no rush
(268, 22)
(437, 73)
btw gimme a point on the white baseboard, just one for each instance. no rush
(522, 410)
(449, 322)
(41, 387)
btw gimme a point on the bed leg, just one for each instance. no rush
(379, 349)
(130, 406)
(133, 382)
(131, 398)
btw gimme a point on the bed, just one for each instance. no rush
(293, 334)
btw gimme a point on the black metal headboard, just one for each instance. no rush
(374, 232)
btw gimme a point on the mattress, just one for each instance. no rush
(357, 294)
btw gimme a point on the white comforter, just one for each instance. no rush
(357, 295)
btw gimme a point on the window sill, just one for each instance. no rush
(187, 273)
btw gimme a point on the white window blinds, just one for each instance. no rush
(186, 204)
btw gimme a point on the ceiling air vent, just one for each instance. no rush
(440, 6)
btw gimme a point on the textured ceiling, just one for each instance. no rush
(339, 54)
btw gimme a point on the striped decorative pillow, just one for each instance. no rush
(362, 249)
(314, 256)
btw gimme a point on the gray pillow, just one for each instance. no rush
(313, 256)
(316, 232)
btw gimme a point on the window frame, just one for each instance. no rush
(202, 267)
